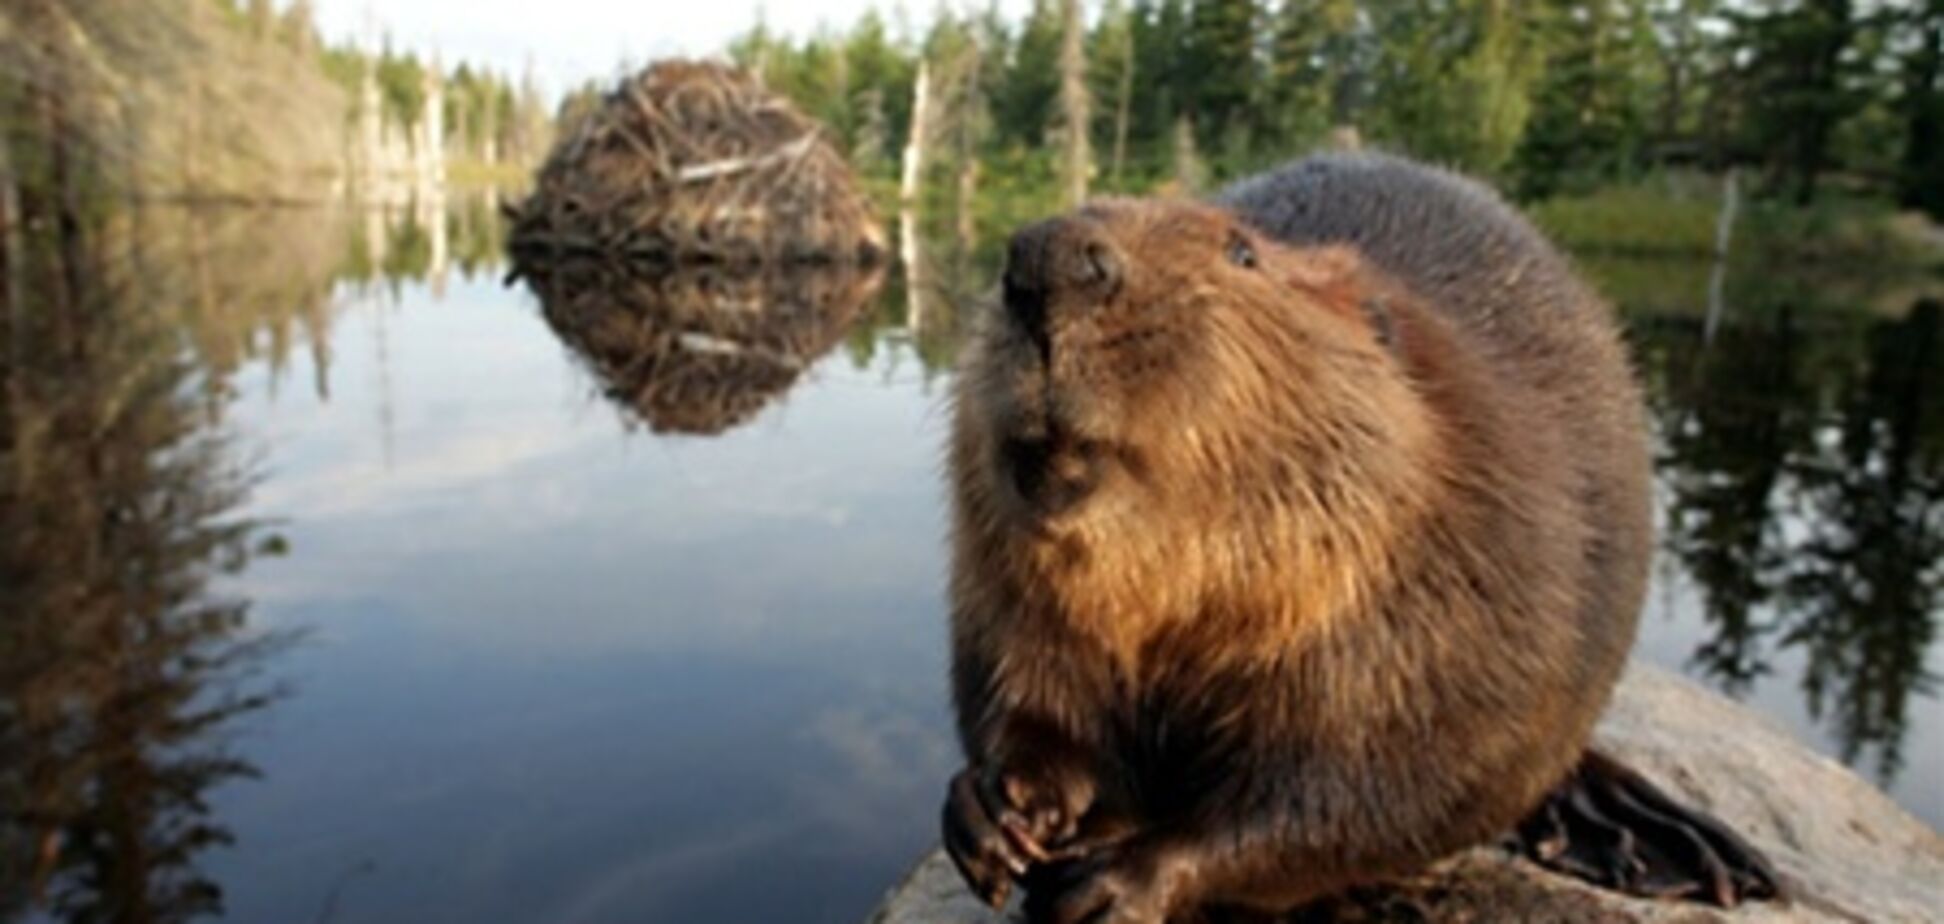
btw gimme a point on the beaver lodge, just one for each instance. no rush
(695, 163)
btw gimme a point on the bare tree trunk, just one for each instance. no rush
(1125, 95)
(968, 194)
(970, 105)
(914, 152)
(1074, 103)
(1188, 169)
(917, 272)
(1718, 276)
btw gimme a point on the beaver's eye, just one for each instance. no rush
(1241, 252)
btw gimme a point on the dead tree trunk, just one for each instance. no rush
(1124, 94)
(1074, 103)
(914, 152)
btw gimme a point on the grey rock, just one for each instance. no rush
(1845, 851)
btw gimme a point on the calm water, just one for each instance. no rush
(344, 584)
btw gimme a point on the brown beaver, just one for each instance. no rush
(1299, 539)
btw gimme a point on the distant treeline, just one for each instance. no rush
(226, 99)
(1542, 95)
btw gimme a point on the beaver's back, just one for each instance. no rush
(1550, 341)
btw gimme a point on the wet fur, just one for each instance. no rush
(1364, 560)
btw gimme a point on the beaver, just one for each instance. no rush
(1299, 538)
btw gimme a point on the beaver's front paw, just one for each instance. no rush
(1136, 883)
(999, 823)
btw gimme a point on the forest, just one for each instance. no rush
(237, 100)
(1543, 96)
(1619, 122)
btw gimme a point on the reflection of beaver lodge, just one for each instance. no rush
(693, 162)
(699, 350)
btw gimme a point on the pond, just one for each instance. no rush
(346, 584)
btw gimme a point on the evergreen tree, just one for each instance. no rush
(1155, 27)
(1220, 57)
(1110, 61)
(880, 73)
(1453, 80)
(1800, 73)
(1921, 182)
(1032, 85)
(1690, 54)
(1591, 107)
(1312, 67)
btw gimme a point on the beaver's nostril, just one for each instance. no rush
(1098, 267)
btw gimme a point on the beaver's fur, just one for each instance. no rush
(1273, 579)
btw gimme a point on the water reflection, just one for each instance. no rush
(427, 239)
(1804, 500)
(757, 612)
(700, 349)
(122, 668)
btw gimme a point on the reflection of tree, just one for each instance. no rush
(1804, 466)
(699, 349)
(926, 303)
(395, 245)
(478, 235)
(1863, 593)
(119, 667)
(1728, 421)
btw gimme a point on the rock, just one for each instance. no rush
(1845, 851)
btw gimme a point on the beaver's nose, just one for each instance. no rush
(1058, 265)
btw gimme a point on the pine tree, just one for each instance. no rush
(1311, 65)
(1111, 76)
(1454, 80)
(1921, 183)
(1032, 85)
(880, 75)
(1074, 122)
(1799, 73)
(1221, 60)
(1590, 108)
(1156, 29)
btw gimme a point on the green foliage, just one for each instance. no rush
(1028, 95)
(1836, 230)
(1802, 70)
(1314, 63)
(1592, 107)
(401, 86)
(1921, 107)
(1220, 54)
(1110, 77)
(1546, 97)
(880, 74)
(1676, 215)
(1452, 79)
(1670, 215)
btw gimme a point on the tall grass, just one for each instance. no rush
(1676, 215)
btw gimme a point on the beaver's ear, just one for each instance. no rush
(1324, 269)
(1332, 279)
(1333, 276)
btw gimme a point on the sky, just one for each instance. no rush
(569, 41)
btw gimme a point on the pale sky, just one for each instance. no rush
(571, 40)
